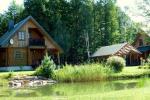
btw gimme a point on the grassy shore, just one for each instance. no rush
(18, 73)
(125, 94)
(97, 72)
(90, 73)
(130, 73)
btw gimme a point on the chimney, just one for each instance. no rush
(10, 25)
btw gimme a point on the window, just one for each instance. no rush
(21, 35)
(140, 42)
(21, 43)
(19, 55)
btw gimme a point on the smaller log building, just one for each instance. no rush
(142, 43)
(125, 50)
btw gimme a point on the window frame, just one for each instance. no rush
(18, 55)
(21, 36)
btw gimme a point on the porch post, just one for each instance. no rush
(130, 59)
(6, 57)
(136, 58)
(58, 57)
(45, 51)
(29, 56)
(145, 55)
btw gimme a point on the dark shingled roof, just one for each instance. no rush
(4, 40)
(144, 48)
(6, 37)
(108, 50)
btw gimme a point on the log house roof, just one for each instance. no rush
(4, 40)
(117, 49)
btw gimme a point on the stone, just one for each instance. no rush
(30, 81)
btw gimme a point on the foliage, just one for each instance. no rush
(143, 6)
(10, 74)
(80, 73)
(117, 63)
(14, 12)
(68, 22)
(145, 63)
(127, 27)
(46, 68)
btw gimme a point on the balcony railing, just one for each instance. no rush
(36, 42)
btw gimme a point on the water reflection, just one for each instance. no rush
(68, 89)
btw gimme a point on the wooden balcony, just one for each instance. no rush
(36, 42)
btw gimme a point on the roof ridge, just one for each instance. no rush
(115, 44)
(109, 50)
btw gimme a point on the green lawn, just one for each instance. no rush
(132, 72)
(126, 94)
(19, 73)
(128, 72)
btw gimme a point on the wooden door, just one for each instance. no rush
(37, 56)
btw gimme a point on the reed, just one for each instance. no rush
(81, 73)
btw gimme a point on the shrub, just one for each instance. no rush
(9, 75)
(80, 73)
(139, 67)
(117, 63)
(46, 68)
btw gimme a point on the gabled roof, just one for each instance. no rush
(6, 37)
(4, 40)
(117, 49)
(108, 50)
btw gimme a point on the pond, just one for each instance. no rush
(76, 91)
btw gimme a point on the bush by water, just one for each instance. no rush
(116, 63)
(46, 68)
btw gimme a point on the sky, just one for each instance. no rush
(132, 12)
(5, 3)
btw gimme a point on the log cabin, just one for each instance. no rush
(125, 50)
(142, 43)
(25, 43)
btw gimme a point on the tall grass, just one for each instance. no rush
(81, 73)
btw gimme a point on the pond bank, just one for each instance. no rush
(131, 73)
(127, 73)
(29, 81)
(116, 90)
(98, 73)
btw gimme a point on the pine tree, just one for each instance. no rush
(46, 68)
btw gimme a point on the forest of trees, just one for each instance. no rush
(72, 23)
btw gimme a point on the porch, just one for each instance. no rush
(31, 56)
(133, 59)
